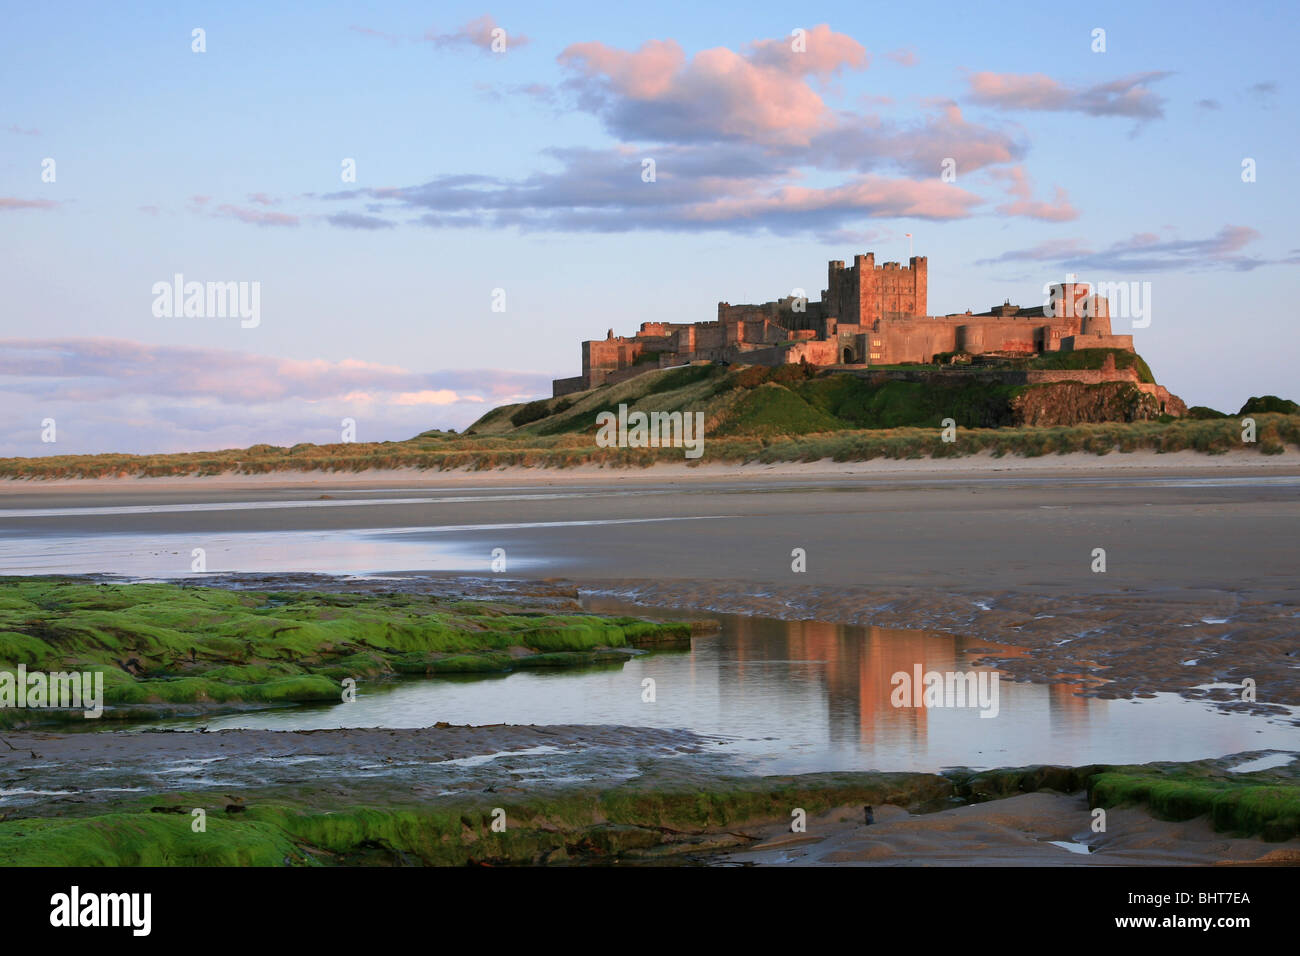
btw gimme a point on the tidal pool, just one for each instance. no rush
(800, 697)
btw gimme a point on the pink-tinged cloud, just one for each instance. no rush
(820, 52)
(735, 137)
(19, 131)
(869, 196)
(1023, 204)
(94, 368)
(116, 395)
(646, 74)
(441, 396)
(377, 34)
(904, 56)
(1058, 210)
(1128, 96)
(477, 33)
(762, 95)
(257, 217)
(13, 202)
(918, 148)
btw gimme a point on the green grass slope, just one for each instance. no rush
(791, 400)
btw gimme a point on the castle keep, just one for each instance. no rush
(868, 315)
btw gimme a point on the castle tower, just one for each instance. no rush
(868, 300)
(866, 293)
(920, 269)
(1096, 316)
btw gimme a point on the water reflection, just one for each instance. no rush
(171, 555)
(795, 697)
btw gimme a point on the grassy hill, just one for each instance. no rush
(799, 400)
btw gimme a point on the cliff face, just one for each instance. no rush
(1074, 403)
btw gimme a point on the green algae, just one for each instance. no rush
(978, 786)
(1264, 803)
(547, 828)
(146, 839)
(1245, 804)
(174, 645)
(645, 820)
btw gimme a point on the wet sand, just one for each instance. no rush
(55, 774)
(1017, 831)
(1006, 533)
(1201, 643)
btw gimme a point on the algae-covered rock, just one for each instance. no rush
(1251, 804)
(167, 645)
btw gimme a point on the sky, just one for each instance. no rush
(432, 226)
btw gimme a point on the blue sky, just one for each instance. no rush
(521, 171)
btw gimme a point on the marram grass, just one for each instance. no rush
(752, 414)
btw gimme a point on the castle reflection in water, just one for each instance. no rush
(854, 666)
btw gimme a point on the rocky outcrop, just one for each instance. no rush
(1076, 403)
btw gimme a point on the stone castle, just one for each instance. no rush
(868, 315)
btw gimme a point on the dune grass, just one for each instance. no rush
(1276, 434)
(752, 414)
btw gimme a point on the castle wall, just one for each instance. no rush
(1088, 376)
(600, 357)
(781, 313)
(814, 352)
(909, 341)
(1074, 343)
(567, 386)
(747, 313)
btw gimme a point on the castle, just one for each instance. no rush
(868, 315)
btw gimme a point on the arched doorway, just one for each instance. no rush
(848, 356)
